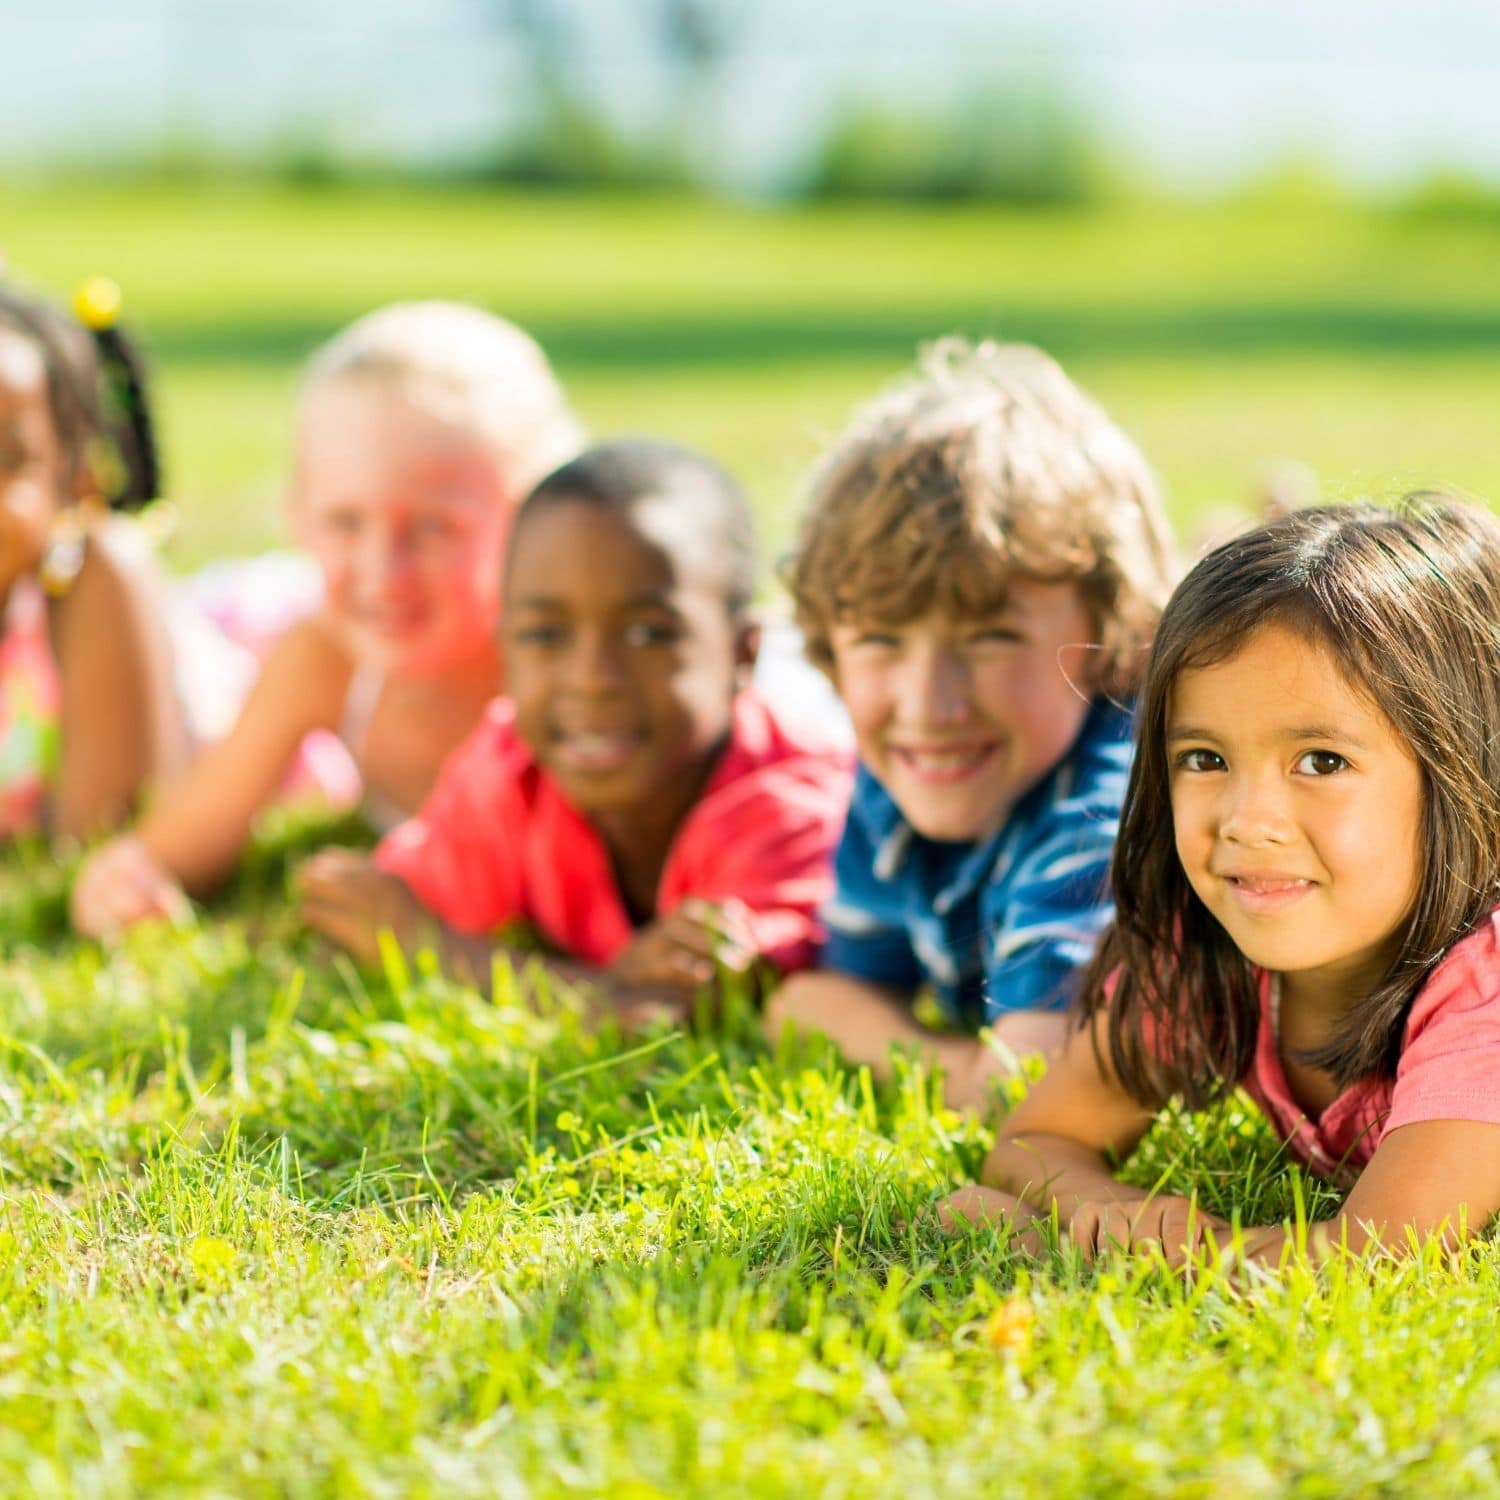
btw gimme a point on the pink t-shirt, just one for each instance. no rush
(497, 842)
(1449, 1067)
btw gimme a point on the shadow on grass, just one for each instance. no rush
(1071, 330)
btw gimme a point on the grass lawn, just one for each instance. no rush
(274, 1227)
(1361, 344)
(271, 1226)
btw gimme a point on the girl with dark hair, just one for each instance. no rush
(1306, 883)
(88, 711)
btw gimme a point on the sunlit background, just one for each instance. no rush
(1259, 234)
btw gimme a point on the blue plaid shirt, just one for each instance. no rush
(996, 926)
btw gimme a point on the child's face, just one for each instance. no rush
(960, 718)
(407, 516)
(622, 662)
(1297, 809)
(31, 459)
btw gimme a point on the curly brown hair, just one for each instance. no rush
(990, 463)
(1407, 600)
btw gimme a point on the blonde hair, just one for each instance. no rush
(988, 464)
(466, 366)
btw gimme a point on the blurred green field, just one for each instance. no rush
(1223, 337)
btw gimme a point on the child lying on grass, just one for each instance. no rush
(420, 428)
(92, 702)
(982, 564)
(1306, 882)
(630, 798)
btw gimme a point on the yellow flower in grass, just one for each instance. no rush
(1007, 1330)
(212, 1259)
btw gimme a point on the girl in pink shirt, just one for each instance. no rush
(632, 799)
(90, 711)
(1306, 881)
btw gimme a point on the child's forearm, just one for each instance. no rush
(862, 1020)
(1043, 1170)
(865, 1021)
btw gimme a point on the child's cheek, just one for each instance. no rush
(338, 578)
(25, 514)
(866, 695)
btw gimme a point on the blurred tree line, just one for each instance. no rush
(1015, 138)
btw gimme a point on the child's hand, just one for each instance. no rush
(120, 884)
(348, 899)
(689, 947)
(1176, 1226)
(982, 1205)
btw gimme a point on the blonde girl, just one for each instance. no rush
(420, 429)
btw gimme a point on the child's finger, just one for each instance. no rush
(1083, 1230)
(717, 932)
(340, 926)
(977, 1205)
(330, 867)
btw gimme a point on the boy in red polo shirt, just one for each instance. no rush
(631, 798)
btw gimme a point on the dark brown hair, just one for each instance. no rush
(97, 392)
(988, 464)
(1407, 601)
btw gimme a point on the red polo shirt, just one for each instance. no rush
(497, 842)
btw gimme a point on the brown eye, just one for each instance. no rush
(1199, 760)
(1321, 763)
(540, 637)
(645, 633)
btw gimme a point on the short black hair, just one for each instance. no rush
(705, 498)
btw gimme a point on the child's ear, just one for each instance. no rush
(85, 481)
(746, 649)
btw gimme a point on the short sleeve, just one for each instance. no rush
(461, 855)
(1049, 914)
(866, 934)
(1450, 1066)
(766, 841)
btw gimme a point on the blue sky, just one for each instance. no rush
(1200, 91)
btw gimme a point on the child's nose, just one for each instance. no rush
(1254, 810)
(593, 665)
(940, 687)
(388, 559)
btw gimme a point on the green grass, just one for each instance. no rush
(269, 1226)
(1361, 343)
(272, 1227)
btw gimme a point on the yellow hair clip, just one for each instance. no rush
(97, 303)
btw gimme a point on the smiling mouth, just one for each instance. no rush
(943, 766)
(594, 751)
(1262, 895)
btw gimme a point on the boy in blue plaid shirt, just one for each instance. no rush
(982, 564)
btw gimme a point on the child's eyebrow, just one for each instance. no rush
(1309, 732)
(554, 601)
(650, 601)
(1337, 732)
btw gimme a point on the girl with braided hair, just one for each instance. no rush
(88, 707)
